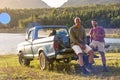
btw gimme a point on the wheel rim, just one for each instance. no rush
(21, 59)
(42, 61)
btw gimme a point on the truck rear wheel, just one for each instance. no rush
(23, 61)
(43, 61)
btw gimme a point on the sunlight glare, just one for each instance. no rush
(55, 3)
(5, 18)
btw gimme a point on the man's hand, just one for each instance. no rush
(82, 46)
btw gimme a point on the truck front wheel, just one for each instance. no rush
(23, 61)
(43, 61)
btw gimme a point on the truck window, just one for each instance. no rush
(42, 33)
(30, 35)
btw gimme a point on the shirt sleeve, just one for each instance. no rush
(72, 36)
(90, 33)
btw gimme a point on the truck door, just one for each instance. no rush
(28, 46)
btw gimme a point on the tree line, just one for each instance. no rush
(107, 16)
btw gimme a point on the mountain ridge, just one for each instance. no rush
(78, 3)
(18, 4)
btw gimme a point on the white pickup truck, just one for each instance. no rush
(47, 43)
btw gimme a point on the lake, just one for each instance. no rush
(9, 42)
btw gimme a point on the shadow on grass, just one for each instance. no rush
(74, 69)
(29, 73)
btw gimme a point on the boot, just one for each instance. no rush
(89, 68)
(104, 68)
(84, 71)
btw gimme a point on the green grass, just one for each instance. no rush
(10, 69)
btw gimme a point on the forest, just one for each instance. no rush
(106, 15)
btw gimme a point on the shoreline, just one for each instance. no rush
(110, 33)
(12, 30)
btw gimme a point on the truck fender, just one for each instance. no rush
(40, 50)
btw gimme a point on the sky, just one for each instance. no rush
(55, 3)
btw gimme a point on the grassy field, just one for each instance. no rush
(10, 69)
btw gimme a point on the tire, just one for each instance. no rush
(44, 64)
(23, 61)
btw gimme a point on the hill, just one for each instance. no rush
(17, 4)
(77, 3)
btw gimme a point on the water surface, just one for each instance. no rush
(9, 42)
